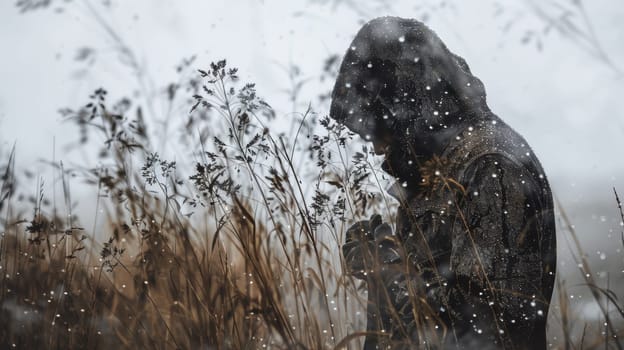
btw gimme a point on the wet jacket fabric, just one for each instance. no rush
(472, 257)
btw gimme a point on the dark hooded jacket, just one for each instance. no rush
(475, 231)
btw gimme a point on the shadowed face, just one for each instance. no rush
(380, 147)
(382, 144)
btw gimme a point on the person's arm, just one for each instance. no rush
(497, 252)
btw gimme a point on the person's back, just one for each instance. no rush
(473, 259)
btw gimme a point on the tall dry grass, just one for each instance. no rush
(236, 249)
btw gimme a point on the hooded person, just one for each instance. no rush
(472, 261)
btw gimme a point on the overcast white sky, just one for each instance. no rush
(566, 103)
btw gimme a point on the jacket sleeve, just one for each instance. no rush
(496, 253)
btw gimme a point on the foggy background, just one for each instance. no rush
(553, 70)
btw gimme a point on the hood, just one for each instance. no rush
(398, 82)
